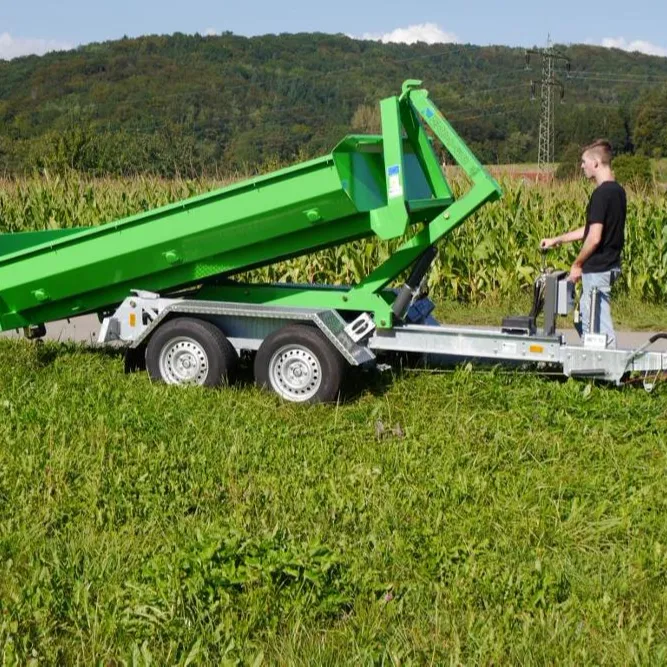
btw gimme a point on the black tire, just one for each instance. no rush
(302, 350)
(181, 342)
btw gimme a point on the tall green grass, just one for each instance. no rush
(510, 520)
(495, 253)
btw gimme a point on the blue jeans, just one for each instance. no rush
(604, 282)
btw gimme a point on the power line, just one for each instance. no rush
(595, 73)
(616, 79)
(547, 135)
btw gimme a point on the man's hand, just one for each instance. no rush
(575, 274)
(545, 244)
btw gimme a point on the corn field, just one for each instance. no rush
(494, 253)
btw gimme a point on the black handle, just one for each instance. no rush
(657, 336)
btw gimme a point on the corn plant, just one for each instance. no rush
(494, 253)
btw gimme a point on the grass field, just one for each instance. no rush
(496, 518)
(461, 517)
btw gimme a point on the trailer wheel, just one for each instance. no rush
(188, 351)
(300, 365)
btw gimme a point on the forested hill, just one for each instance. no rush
(190, 103)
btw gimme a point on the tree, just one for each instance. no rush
(633, 170)
(366, 119)
(185, 100)
(569, 166)
(650, 129)
(516, 147)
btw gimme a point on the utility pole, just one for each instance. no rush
(550, 57)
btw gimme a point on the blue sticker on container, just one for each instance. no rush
(394, 186)
(429, 113)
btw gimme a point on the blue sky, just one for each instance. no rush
(35, 26)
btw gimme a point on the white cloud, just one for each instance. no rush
(210, 32)
(635, 45)
(431, 33)
(13, 47)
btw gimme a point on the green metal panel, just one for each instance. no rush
(391, 220)
(425, 155)
(360, 162)
(354, 192)
(175, 245)
(19, 241)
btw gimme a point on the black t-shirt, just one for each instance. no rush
(607, 206)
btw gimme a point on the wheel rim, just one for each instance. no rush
(183, 361)
(295, 373)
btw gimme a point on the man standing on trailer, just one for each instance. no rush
(598, 263)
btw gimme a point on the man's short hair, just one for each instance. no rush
(601, 149)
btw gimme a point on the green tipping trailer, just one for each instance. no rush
(368, 185)
(162, 282)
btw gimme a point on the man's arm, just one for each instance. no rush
(590, 244)
(568, 237)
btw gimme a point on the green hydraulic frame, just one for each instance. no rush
(409, 113)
